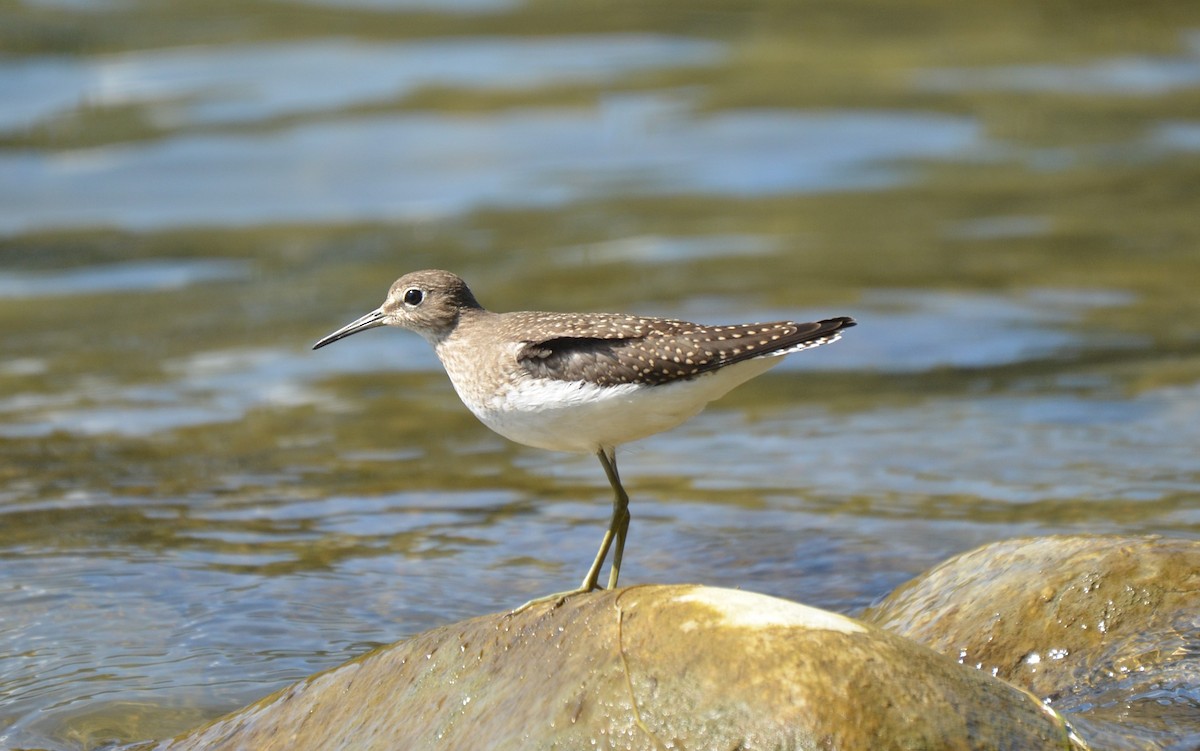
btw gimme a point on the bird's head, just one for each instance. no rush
(427, 302)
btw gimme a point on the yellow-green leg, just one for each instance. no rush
(618, 527)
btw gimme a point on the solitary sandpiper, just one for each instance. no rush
(583, 382)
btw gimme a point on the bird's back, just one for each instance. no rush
(612, 349)
(575, 382)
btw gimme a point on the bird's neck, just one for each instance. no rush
(467, 319)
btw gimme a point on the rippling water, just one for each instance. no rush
(196, 509)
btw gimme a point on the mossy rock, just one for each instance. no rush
(651, 667)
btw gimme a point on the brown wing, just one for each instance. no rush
(615, 350)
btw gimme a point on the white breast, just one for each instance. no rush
(581, 417)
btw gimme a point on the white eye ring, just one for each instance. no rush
(413, 296)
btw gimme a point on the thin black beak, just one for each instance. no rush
(369, 321)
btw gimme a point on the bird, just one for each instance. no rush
(583, 382)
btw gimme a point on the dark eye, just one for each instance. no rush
(413, 297)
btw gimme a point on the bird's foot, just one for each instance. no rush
(558, 598)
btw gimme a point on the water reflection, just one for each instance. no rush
(659, 249)
(241, 84)
(1124, 76)
(120, 277)
(1000, 227)
(985, 449)
(1177, 136)
(924, 330)
(428, 166)
(455, 6)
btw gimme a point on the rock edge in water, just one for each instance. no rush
(1103, 627)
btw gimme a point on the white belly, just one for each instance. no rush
(580, 417)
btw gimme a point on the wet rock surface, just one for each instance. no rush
(1106, 629)
(649, 667)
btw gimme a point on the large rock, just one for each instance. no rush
(652, 667)
(1106, 629)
